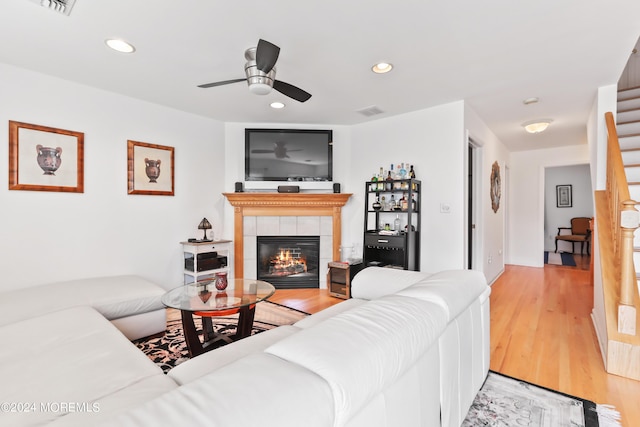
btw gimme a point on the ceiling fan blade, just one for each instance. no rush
(225, 82)
(266, 55)
(259, 151)
(291, 91)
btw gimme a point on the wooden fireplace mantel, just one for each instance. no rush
(283, 204)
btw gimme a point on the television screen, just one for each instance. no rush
(293, 155)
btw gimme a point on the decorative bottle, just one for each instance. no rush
(404, 202)
(412, 173)
(403, 171)
(376, 205)
(396, 224)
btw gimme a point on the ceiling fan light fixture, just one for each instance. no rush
(260, 88)
(382, 67)
(537, 126)
(120, 45)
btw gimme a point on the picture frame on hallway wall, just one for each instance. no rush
(43, 158)
(564, 196)
(150, 169)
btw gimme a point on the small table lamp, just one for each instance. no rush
(205, 225)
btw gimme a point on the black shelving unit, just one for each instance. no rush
(385, 246)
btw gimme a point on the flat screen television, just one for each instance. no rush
(293, 156)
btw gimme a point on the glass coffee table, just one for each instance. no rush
(203, 299)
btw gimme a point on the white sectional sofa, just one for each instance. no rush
(409, 349)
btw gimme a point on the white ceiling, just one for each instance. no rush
(493, 54)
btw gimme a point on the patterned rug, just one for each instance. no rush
(561, 258)
(170, 349)
(504, 402)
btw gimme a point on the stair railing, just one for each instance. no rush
(624, 222)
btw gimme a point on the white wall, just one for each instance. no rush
(579, 177)
(526, 199)
(51, 236)
(490, 225)
(433, 140)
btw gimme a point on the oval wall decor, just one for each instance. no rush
(495, 186)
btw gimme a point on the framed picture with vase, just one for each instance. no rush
(43, 158)
(150, 169)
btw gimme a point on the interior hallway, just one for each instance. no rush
(542, 332)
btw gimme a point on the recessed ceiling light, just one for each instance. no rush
(382, 67)
(530, 101)
(120, 45)
(536, 126)
(277, 105)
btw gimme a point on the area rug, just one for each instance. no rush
(170, 349)
(561, 258)
(504, 402)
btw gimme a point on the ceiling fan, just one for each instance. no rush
(261, 73)
(279, 149)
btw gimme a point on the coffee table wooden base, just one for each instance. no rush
(210, 337)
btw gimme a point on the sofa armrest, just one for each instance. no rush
(113, 296)
(375, 282)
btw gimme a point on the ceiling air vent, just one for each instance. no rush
(61, 6)
(370, 111)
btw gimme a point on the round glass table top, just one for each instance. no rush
(203, 295)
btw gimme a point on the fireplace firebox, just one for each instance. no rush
(289, 262)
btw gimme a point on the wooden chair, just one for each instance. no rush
(580, 232)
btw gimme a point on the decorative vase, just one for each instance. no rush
(152, 169)
(49, 159)
(221, 281)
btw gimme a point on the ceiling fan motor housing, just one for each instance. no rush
(259, 82)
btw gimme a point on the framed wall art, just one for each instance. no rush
(43, 158)
(564, 196)
(150, 169)
(496, 191)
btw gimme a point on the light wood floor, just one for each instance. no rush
(541, 332)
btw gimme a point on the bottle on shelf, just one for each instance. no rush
(404, 202)
(413, 202)
(412, 173)
(376, 204)
(396, 224)
(392, 203)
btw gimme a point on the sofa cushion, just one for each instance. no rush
(117, 403)
(195, 368)
(453, 290)
(375, 282)
(257, 390)
(328, 312)
(73, 355)
(391, 334)
(113, 297)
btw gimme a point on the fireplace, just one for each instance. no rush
(289, 262)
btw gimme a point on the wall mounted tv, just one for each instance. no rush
(296, 156)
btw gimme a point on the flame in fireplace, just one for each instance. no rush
(284, 264)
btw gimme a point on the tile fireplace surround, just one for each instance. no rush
(285, 214)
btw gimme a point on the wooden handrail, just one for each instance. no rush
(623, 222)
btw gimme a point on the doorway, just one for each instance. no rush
(473, 201)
